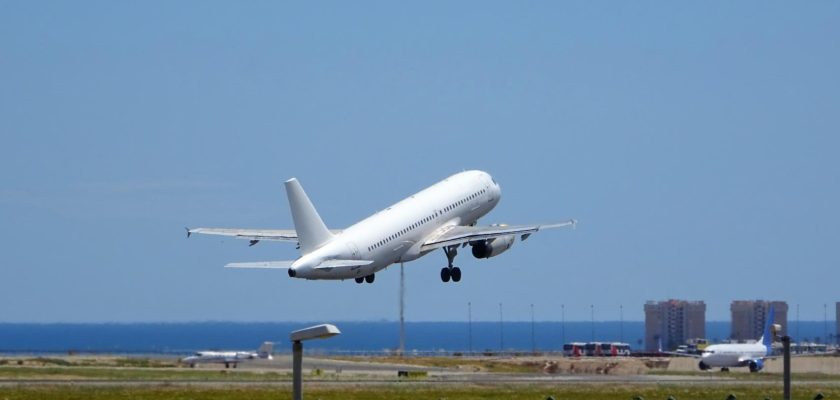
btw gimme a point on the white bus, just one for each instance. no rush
(574, 349)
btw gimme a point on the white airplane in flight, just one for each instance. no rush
(443, 215)
(228, 357)
(752, 355)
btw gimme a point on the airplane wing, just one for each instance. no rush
(455, 235)
(676, 354)
(283, 235)
(326, 264)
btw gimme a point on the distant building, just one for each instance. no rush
(673, 322)
(749, 317)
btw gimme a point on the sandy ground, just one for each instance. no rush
(545, 365)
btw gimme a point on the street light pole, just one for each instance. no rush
(402, 310)
(297, 370)
(297, 337)
(501, 330)
(469, 325)
(621, 323)
(533, 340)
(563, 322)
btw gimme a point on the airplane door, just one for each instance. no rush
(354, 251)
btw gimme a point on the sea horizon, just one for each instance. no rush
(357, 336)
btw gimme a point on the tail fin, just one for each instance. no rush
(265, 350)
(768, 336)
(311, 231)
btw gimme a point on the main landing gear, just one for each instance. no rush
(450, 272)
(368, 279)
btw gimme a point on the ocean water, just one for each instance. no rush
(179, 338)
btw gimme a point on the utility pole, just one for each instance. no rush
(469, 325)
(592, 321)
(825, 323)
(533, 340)
(563, 322)
(402, 309)
(621, 323)
(501, 330)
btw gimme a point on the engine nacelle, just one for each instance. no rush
(756, 365)
(492, 247)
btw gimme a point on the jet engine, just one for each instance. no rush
(492, 247)
(756, 365)
(703, 366)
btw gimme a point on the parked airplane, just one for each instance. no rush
(443, 215)
(752, 355)
(228, 357)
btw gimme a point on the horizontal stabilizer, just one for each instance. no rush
(262, 264)
(326, 264)
(288, 235)
(329, 264)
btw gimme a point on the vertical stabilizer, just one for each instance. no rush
(265, 350)
(768, 336)
(311, 231)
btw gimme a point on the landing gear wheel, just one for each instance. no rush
(370, 278)
(456, 274)
(444, 274)
(360, 279)
(724, 369)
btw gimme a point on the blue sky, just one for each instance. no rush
(697, 144)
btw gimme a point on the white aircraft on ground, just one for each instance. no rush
(752, 355)
(443, 215)
(228, 357)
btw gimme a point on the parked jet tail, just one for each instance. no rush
(311, 231)
(769, 334)
(265, 350)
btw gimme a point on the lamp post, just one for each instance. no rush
(621, 323)
(563, 323)
(533, 339)
(501, 330)
(469, 325)
(297, 337)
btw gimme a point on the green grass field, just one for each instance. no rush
(435, 392)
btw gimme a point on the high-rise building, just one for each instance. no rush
(749, 317)
(670, 323)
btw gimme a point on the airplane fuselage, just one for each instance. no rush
(219, 357)
(732, 355)
(396, 234)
